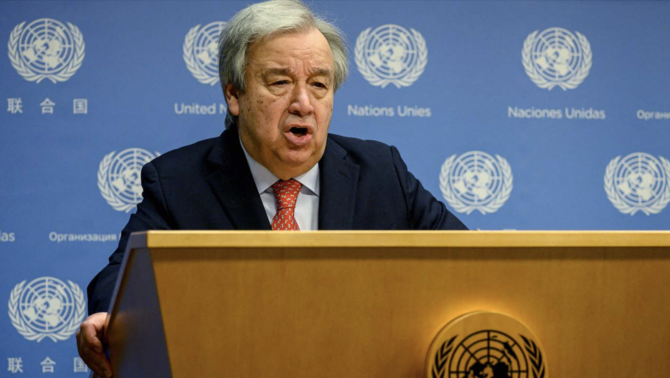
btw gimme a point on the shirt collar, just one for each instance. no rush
(264, 179)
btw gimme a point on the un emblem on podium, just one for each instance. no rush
(391, 54)
(485, 345)
(556, 58)
(119, 177)
(476, 181)
(46, 49)
(46, 307)
(201, 49)
(638, 182)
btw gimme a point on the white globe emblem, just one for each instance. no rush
(46, 49)
(46, 307)
(556, 57)
(119, 177)
(201, 48)
(391, 54)
(638, 182)
(476, 181)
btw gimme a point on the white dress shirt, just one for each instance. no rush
(307, 205)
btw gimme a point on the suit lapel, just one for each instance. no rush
(233, 185)
(339, 182)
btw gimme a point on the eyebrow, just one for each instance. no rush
(277, 71)
(289, 72)
(322, 72)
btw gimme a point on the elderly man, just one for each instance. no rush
(275, 166)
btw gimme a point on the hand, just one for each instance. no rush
(89, 344)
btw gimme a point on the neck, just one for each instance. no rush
(287, 174)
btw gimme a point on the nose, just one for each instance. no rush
(301, 102)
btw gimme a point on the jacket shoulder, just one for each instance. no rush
(185, 159)
(360, 149)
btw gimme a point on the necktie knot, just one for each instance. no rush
(286, 193)
(286, 196)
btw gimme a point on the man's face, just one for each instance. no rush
(284, 113)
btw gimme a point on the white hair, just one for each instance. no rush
(262, 20)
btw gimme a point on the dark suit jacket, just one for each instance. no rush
(365, 185)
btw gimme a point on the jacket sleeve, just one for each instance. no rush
(424, 211)
(152, 214)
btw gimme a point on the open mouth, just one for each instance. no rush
(298, 135)
(298, 131)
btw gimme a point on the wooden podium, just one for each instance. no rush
(368, 304)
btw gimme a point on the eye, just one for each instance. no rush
(280, 82)
(319, 85)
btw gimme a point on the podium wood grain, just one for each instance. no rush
(368, 304)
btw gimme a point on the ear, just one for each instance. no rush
(232, 97)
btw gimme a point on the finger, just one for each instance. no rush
(103, 368)
(91, 331)
(97, 320)
(98, 362)
(90, 347)
(90, 339)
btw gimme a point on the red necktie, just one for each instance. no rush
(286, 195)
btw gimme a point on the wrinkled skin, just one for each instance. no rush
(285, 110)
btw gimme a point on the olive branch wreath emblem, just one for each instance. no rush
(106, 188)
(622, 206)
(378, 81)
(441, 358)
(444, 352)
(535, 356)
(573, 82)
(25, 71)
(498, 201)
(189, 58)
(63, 334)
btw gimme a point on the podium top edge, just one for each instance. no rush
(385, 239)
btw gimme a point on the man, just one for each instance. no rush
(275, 166)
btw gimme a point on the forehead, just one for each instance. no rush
(306, 49)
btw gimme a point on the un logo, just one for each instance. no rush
(119, 177)
(485, 345)
(476, 181)
(201, 48)
(46, 307)
(556, 57)
(638, 182)
(46, 49)
(391, 54)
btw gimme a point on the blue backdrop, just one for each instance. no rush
(518, 115)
